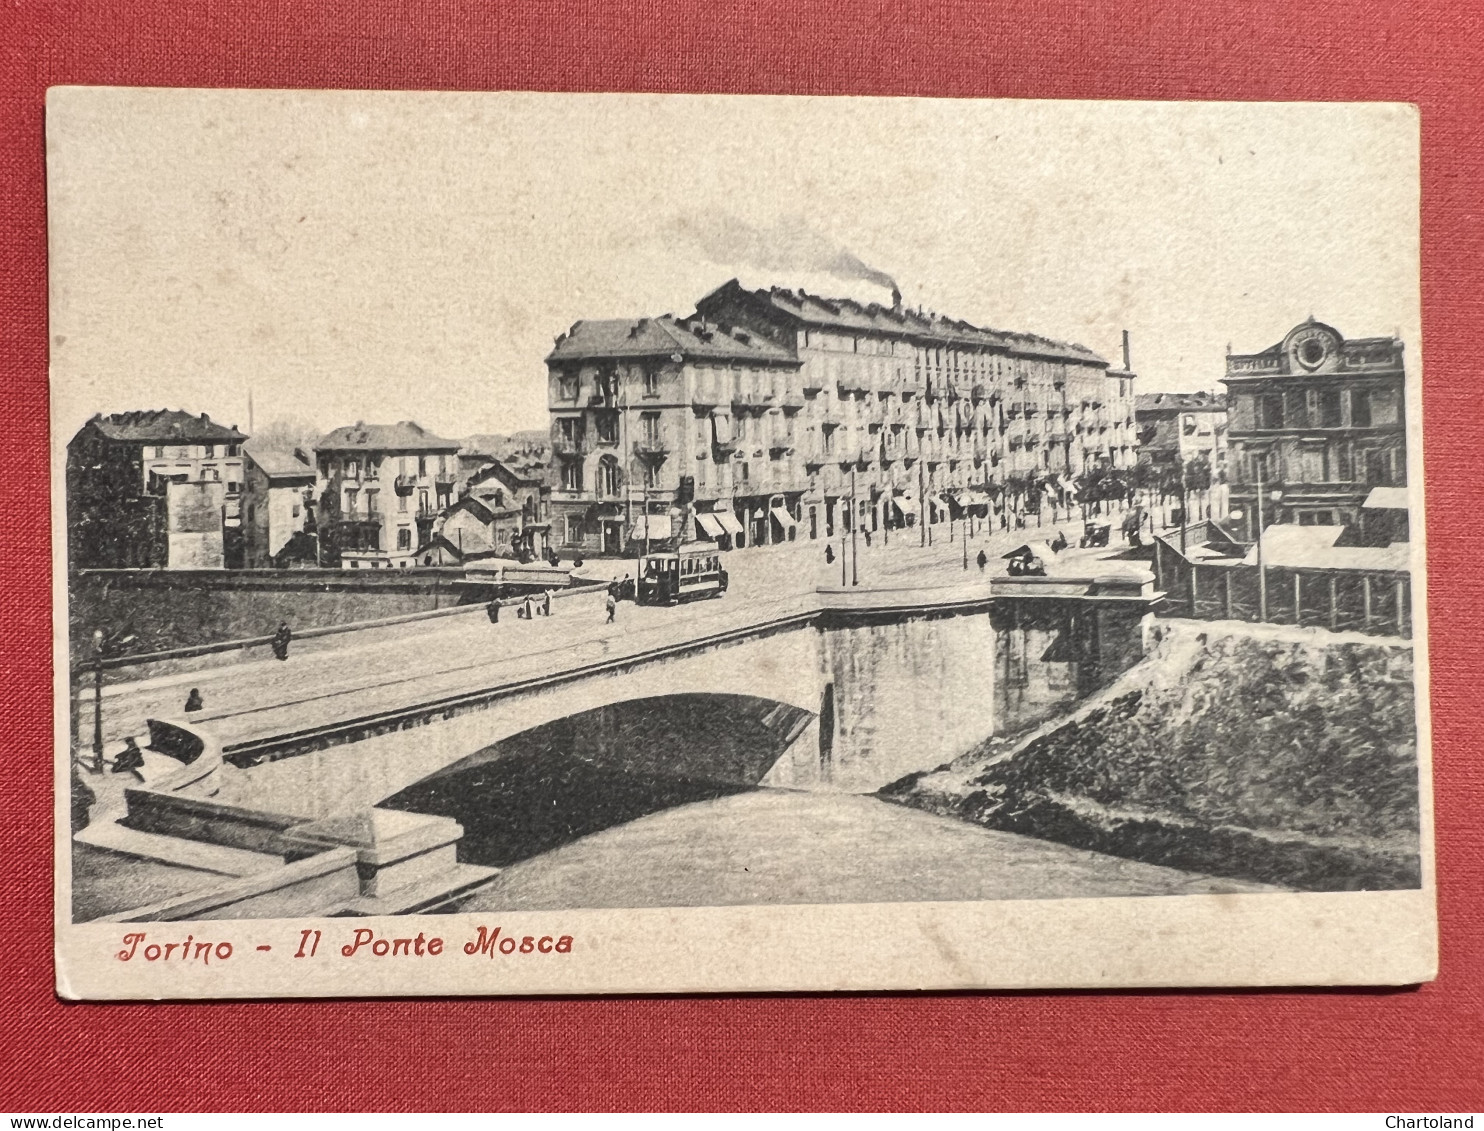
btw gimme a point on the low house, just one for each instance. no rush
(154, 489)
(514, 509)
(277, 500)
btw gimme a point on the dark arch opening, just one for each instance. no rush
(555, 783)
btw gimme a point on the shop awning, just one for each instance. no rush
(905, 504)
(712, 525)
(782, 517)
(729, 523)
(653, 526)
(1386, 499)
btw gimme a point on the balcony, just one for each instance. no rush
(780, 447)
(444, 481)
(604, 398)
(652, 447)
(404, 484)
(791, 402)
(571, 445)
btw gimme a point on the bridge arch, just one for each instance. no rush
(561, 780)
(355, 774)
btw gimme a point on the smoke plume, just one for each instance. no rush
(791, 244)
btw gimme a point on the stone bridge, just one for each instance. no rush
(848, 691)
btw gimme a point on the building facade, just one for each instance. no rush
(914, 415)
(277, 501)
(380, 489)
(775, 415)
(1316, 423)
(655, 421)
(1176, 428)
(156, 489)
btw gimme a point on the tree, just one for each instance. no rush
(285, 433)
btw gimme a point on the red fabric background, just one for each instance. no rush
(1410, 1050)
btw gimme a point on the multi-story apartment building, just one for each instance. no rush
(763, 415)
(154, 489)
(1176, 428)
(380, 488)
(921, 407)
(1316, 422)
(658, 425)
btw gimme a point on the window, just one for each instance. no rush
(744, 473)
(252, 513)
(211, 451)
(159, 453)
(650, 421)
(574, 529)
(607, 427)
(233, 488)
(651, 382)
(1270, 410)
(371, 498)
(651, 475)
(214, 475)
(1296, 408)
(569, 428)
(402, 503)
(404, 538)
(572, 475)
(352, 469)
(234, 449)
(1329, 409)
(1360, 409)
(350, 503)
(297, 510)
(423, 506)
(373, 467)
(567, 385)
(607, 476)
(422, 465)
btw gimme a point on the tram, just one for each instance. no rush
(688, 574)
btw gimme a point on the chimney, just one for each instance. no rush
(1126, 366)
(896, 301)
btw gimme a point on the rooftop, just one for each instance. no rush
(165, 425)
(849, 315)
(403, 436)
(663, 337)
(1200, 401)
(277, 463)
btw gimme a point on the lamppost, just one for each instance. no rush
(854, 522)
(1262, 572)
(98, 701)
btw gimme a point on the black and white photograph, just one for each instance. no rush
(734, 543)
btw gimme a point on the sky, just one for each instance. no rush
(368, 256)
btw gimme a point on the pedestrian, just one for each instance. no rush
(546, 603)
(492, 610)
(193, 700)
(983, 560)
(829, 554)
(529, 611)
(612, 606)
(281, 640)
(868, 539)
(130, 758)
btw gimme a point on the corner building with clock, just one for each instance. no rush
(1318, 422)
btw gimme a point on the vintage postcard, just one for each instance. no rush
(535, 543)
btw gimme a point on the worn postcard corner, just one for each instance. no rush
(541, 543)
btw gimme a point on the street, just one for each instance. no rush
(360, 672)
